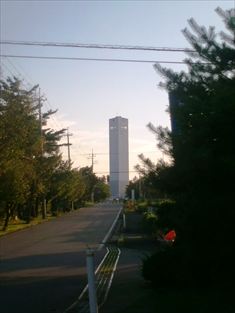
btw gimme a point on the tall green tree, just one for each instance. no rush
(101, 190)
(47, 162)
(201, 146)
(28, 154)
(67, 189)
(90, 180)
(20, 143)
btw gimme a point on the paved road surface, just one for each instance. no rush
(42, 269)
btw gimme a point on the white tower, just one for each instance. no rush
(118, 156)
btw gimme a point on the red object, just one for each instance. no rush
(170, 236)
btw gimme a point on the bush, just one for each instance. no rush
(169, 214)
(171, 267)
(149, 223)
(160, 268)
(184, 266)
(129, 206)
(142, 207)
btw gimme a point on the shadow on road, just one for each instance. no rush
(28, 286)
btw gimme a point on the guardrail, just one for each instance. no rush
(103, 277)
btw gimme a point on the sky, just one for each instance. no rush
(88, 93)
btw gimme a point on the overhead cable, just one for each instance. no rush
(93, 46)
(89, 59)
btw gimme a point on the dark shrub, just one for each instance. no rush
(142, 207)
(149, 223)
(161, 268)
(174, 266)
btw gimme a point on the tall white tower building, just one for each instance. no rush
(118, 156)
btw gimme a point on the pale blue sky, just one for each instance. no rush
(87, 94)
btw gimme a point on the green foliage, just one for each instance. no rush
(154, 178)
(18, 140)
(142, 206)
(101, 190)
(32, 173)
(19, 144)
(133, 185)
(66, 190)
(160, 268)
(90, 180)
(201, 145)
(168, 215)
(149, 222)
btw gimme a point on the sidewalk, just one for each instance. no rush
(129, 292)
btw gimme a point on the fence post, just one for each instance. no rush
(124, 220)
(91, 281)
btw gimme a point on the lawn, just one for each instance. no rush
(15, 225)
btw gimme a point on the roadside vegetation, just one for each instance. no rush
(35, 182)
(197, 182)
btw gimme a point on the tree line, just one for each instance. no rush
(34, 179)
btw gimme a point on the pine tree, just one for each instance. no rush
(201, 144)
(25, 168)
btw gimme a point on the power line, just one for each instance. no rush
(7, 68)
(94, 46)
(53, 121)
(26, 78)
(90, 59)
(117, 172)
(107, 153)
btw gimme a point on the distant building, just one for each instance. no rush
(118, 156)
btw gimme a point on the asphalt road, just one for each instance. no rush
(43, 268)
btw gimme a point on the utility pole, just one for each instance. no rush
(40, 119)
(140, 188)
(68, 144)
(92, 157)
(44, 203)
(92, 161)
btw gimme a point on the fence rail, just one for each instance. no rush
(103, 277)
